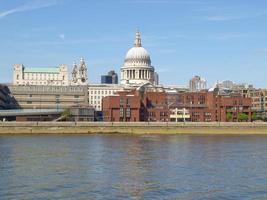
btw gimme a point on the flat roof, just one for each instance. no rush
(23, 112)
(41, 70)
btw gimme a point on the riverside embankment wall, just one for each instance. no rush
(131, 128)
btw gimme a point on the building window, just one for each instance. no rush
(121, 112)
(29, 102)
(128, 112)
(121, 101)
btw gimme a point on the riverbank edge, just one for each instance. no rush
(12, 128)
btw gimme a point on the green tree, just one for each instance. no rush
(229, 116)
(65, 114)
(242, 117)
(254, 117)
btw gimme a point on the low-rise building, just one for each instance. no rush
(49, 97)
(135, 106)
(40, 75)
(259, 101)
(208, 106)
(83, 113)
(97, 91)
(179, 115)
(30, 114)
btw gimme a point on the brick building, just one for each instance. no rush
(207, 106)
(202, 106)
(135, 106)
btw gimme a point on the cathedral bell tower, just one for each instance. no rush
(79, 74)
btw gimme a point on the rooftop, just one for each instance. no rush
(23, 112)
(41, 70)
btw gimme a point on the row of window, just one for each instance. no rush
(127, 112)
(95, 102)
(41, 83)
(102, 92)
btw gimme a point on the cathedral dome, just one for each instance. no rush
(137, 67)
(137, 54)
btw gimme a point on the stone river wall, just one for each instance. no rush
(131, 128)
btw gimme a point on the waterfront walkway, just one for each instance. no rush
(133, 127)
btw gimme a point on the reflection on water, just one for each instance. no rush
(133, 167)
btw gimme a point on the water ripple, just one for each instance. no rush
(133, 167)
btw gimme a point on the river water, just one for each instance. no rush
(133, 167)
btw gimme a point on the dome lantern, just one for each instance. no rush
(137, 42)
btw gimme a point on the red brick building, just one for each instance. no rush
(135, 106)
(207, 106)
(203, 106)
(122, 107)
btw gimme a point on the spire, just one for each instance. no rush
(137, 42)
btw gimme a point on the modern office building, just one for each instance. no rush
(40, 75)
(49, 97)
(197, 83)
(110, 78)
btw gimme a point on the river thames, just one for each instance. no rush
(133, 167)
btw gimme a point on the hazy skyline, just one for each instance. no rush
(222, 40)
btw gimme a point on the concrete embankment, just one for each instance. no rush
(131, 128)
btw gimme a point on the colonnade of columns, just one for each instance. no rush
(138, 74)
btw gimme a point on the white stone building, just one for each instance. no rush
(40, 76)
(97, 91)
(137, 68)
